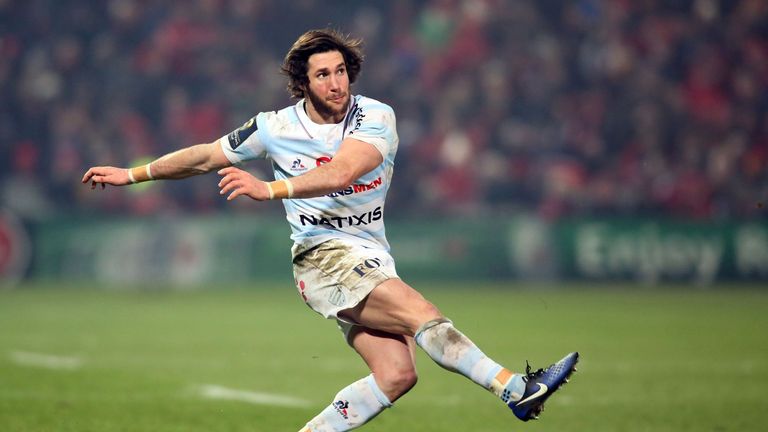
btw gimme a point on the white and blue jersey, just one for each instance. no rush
(295, 145)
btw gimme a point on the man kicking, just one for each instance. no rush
(333, 156)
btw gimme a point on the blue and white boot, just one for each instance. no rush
(540, 385)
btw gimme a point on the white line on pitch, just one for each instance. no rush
(258, 398)
(47, 361)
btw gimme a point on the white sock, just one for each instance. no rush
(449, 348)
(352, 407)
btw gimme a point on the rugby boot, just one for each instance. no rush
(540, 385)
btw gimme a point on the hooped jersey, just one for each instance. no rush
(294, 145)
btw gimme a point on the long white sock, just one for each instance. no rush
(449, 348)
(352, 407)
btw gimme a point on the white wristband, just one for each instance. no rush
(130, 177)
(271, 191)
(149, 171)
(289, 185)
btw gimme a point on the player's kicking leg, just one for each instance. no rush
(391, 360)
(395, 307)
(540, 385)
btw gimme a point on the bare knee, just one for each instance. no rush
(426, 312)
(430, 311)
(396, 382)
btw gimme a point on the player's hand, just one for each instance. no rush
(106, 176)
(240, 182)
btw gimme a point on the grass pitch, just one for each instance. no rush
(256, 359)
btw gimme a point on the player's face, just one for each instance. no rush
(328, 89)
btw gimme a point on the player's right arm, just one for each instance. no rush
(194, 160)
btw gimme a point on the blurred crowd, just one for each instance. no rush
(561, 108)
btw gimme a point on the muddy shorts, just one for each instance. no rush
(336, 275)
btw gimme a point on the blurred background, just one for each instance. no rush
(597, 140)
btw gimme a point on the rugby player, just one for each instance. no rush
(333, 156)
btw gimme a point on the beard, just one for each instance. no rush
(325, 108)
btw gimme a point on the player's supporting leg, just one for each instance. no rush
(391, 360)
(395, 307)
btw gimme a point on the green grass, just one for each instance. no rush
(666, 359)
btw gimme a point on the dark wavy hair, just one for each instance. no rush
(319, 41)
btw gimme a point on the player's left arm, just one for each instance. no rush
(354, 159)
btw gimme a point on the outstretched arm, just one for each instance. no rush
(194, 160)
(354, 159)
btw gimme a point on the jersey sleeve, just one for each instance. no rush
(376, 126)
(243, 143)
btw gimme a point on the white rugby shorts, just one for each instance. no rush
(335, 275)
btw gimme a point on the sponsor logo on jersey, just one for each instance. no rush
(364, 267)
(296, 165)
(356, 188)
(353, 188)
(239, 135)
(342, 221)
(355, 119)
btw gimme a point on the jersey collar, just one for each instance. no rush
(311, 128)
